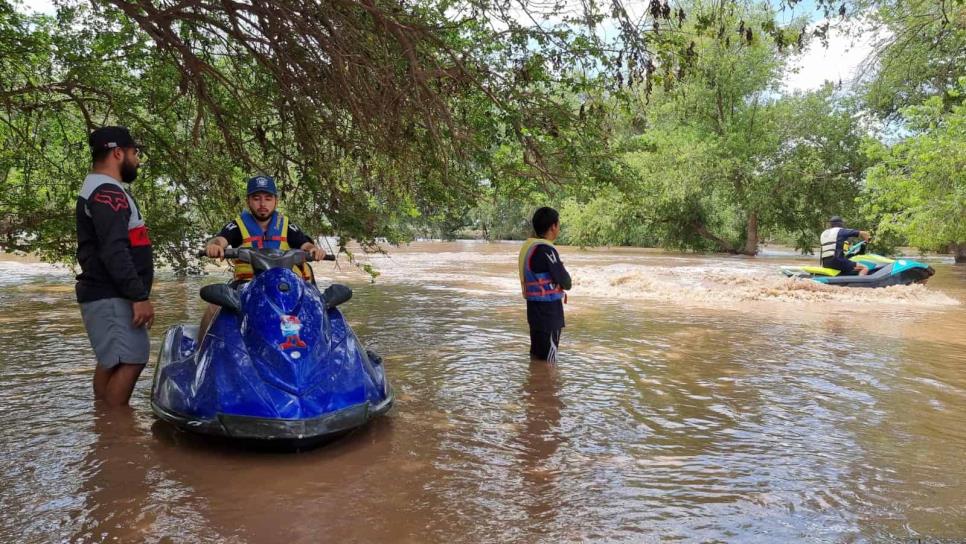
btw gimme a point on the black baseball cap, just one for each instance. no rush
(836, 221)
(111, 137)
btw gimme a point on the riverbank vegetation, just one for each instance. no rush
(668, 127)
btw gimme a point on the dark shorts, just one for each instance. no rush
(543, 345)
(845, 266)
(113, 337)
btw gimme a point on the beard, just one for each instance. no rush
(129, 171)
(261, 216)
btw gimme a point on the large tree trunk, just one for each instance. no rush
(751, 235)
(958, 250)
(703, 232)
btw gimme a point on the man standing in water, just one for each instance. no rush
(117, 267)
(833, 248)
(543, 280)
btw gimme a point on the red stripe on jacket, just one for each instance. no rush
(138, 236)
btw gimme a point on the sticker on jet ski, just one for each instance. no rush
(290, 329)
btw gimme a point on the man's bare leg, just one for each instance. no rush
(115, 385)
(102, 377)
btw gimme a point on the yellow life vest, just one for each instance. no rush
(534, 286)
(276, 237)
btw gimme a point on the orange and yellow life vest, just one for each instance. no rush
(536, 286)
(275, 237)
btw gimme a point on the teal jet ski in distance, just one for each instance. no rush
(883, 271)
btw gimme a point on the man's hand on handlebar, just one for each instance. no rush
(215, 248)
(316, 252)
(215, 251)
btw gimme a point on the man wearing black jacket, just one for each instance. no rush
(543, 279)
(117, 268)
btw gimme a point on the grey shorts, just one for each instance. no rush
(113, 337)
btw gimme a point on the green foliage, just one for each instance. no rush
(708, 154)
(916, 193)
(391, 121)
(917, 189)
(607, 219)
(675, 195)
(498, 216)
(922, 54)
(381, 129)
(726, 159)
(50, 95)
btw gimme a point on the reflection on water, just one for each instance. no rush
(114, 481)
(685, 406)
(539, 440)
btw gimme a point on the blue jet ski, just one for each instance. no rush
(883, 271)
(279, 363)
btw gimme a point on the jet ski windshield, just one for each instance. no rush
(858, 248)
(268, 258)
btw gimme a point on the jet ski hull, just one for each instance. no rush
(303, 388)
(900, 272)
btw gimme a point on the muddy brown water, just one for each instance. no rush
(696, 399)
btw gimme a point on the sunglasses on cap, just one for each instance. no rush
(138, 150)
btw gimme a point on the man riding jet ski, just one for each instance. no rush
(278, 363)
(834, 244)
(851, 266)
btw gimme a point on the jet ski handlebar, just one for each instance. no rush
(264, 259)
(858, 248)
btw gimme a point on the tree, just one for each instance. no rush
(921, 53)
(57, 80)
(915, 192)
(726, 157)
(375, 116)
(917, 189)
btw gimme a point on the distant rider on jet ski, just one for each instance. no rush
(260, 226)
(833, 240)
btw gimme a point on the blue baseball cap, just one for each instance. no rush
(262, 184)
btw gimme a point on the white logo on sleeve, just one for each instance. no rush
(552, 257)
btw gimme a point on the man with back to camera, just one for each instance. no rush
(543, 280)
(117, 266)
(259, 226)
(833, 248)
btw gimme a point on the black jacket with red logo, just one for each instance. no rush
(548, 316)
(113, 248)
